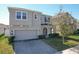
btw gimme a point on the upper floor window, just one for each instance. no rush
(45, 19)
(35, 16)
(23, 15)
(18, 15)
(48, 19)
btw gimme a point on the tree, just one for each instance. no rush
(65, 30)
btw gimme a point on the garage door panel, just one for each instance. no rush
(24, 35)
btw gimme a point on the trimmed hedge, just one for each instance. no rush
(76, 32)
(11, 39)
(53, 35)
(41, 36)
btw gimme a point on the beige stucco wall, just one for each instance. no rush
(47, 24)
(30, 23)
(48, 28)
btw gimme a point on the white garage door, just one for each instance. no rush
(24, 35)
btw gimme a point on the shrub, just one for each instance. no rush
(53, 35)
(2, 35)
(41, 36)
(76, 32)
(11, 39)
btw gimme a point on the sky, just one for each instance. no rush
(49, 9)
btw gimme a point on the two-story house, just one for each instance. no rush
(28, 24)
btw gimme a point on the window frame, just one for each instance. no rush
(21, 16)
(45, 20)
(35, 16)
(16, 15)
(48, 19)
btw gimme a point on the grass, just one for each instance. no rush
(74, 36)
(5, 47)
(71, 43)
(57, 43)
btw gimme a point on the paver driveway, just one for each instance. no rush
(33, 47)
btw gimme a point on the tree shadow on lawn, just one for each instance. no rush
(57, 43)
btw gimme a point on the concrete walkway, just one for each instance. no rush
(33, 47)
(74, 50)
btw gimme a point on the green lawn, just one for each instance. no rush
(75, 37)
(57, 43)
(71, 43)
(5, 47)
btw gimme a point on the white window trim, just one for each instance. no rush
(16, 15)
(21, 16)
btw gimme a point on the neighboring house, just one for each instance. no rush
(63, 17)
(4, 29)
(77, 24)
(28, 24)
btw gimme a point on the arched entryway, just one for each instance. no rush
(45, 31)
(51, 30)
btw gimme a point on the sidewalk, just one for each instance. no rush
(74, 50)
